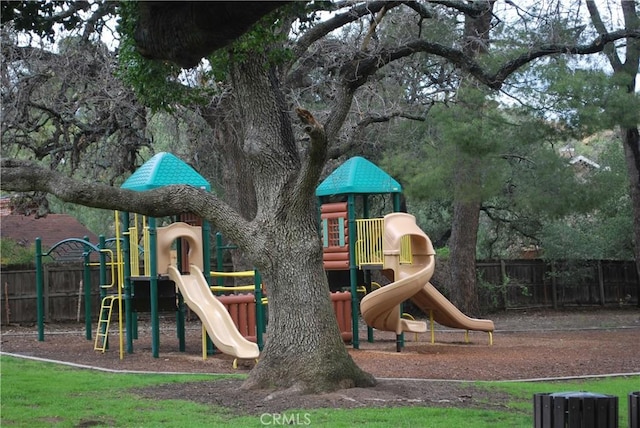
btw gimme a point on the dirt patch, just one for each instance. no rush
(527, 345)
(387, 393)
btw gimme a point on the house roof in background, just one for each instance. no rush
(50, 229)
(583, 160)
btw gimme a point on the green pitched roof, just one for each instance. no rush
(164, 169)
(358, 175)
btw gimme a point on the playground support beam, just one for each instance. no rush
(103, 281)
(260, 325)
(153, 285)
(180, 318)
(206, 264)
(399, 337)
(367, 273)
(353, 273)
(126, 249)
(39, 290)
(87, 288)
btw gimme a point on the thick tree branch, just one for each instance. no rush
(103, 10)
(596, 19)
(339, 150)
(473, 9)
(372, 28)
(338, 21)
(597, 45)
(422, 9)
(316, 155)
(356, 72)
(28, 176)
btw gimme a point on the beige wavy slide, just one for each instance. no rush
(381, 308)
(214, 316)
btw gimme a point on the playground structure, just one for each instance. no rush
(146, 274)
(152, 285)
(145, 277)
(393, 245)
(73, 250)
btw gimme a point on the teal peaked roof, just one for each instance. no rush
(164, 169)
(358, 175)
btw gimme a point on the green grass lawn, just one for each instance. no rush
(36, 394)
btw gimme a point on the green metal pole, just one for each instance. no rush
(219, 280)
(367, 276)
(103, 262)
(396, 202)
(400, 337)
(103, 273)
(260, 324)
(353, 273)
(219, 255)
(180, 321)
(126, 254)
(39, 290)
(153, 285)
(87, 291)
(206, 249)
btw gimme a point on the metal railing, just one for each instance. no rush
(369, 247)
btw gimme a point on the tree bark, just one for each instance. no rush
(464, 237)
(631, 141)
(304, 350)
(624, 73)
(467, 188)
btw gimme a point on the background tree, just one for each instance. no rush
(625, 110)
(304, 351)
(68, 108)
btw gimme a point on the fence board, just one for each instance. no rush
(61, 283)
(503, 284)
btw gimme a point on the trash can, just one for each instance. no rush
(634, 409)
(575, 409)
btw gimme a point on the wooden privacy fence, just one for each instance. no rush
(513, 284)
(63, 293)
(502, 284)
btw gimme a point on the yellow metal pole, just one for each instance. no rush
(119, 284)
(204, 342)
(433, 333)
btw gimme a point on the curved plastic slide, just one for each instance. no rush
(446, 313)
(381, 308)
(214, 316)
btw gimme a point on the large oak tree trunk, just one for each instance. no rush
(304, 349)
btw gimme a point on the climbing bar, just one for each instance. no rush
(241, 274)
(369, 241)
(233, 288)
(406, 255)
